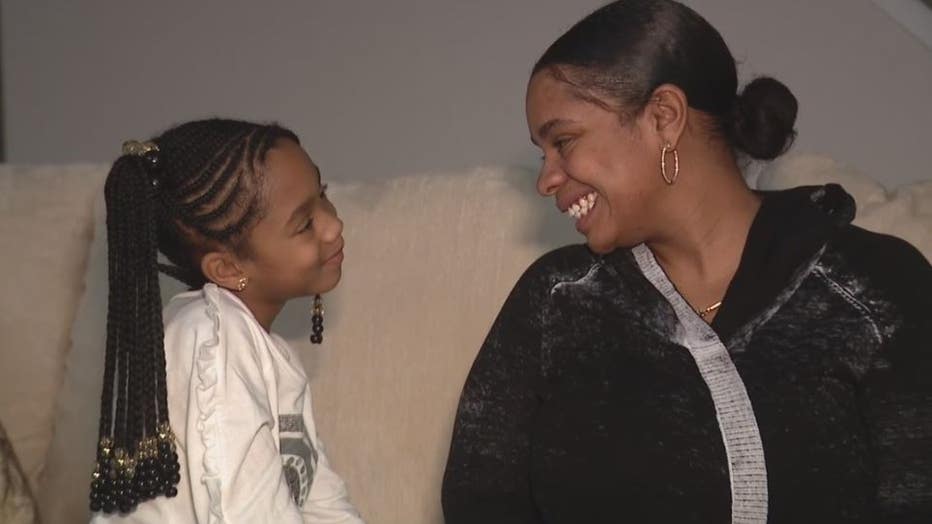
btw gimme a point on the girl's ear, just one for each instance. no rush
(222, 269)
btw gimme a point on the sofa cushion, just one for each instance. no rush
(45, 229)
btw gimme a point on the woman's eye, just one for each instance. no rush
(560, 145)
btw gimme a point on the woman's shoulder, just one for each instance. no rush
(573, 262)
(885, 260)
(885, 276)
(562, 261)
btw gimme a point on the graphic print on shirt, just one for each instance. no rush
(299, 458)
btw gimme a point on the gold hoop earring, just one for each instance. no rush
(241, 285)
(668, 148)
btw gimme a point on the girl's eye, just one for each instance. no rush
(323, 190)
(307, 225)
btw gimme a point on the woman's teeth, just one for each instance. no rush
(582, 206)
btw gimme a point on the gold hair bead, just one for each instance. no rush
(130, 467)
(164, 431)
(106, 446)
(119, 456)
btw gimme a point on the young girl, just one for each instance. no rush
(209, 418)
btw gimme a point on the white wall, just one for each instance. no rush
(379, 88)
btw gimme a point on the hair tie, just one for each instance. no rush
(137, 148)
(148, 151)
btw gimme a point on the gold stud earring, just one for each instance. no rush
(241, 285)
(668, 148)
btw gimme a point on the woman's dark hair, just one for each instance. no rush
(195, 187)
(625, 50)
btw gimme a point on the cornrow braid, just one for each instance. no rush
(194, 188)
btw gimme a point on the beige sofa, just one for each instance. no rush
(430, 258)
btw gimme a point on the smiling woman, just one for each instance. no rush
(711, 354)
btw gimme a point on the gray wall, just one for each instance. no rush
(380, 88)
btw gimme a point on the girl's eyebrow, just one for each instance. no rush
(305, 206)
(299, 211)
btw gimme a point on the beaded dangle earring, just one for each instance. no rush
(317, 321)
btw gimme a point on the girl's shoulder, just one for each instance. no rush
(212, 325)
(197, 303)
(210, 309)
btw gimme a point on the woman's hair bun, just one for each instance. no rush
(763, 118)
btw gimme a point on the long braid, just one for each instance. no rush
(125, 191)
(195, 186)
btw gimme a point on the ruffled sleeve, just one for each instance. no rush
(208, 423)
(230, 447)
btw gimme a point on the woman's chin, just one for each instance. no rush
(597, 245)
(600, 249)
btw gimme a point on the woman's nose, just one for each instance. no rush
(550, 178)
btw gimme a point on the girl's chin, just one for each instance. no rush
(326, 281)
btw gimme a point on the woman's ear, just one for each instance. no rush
(222, 269)
(668, 111)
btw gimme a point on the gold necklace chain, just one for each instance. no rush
(703, 312)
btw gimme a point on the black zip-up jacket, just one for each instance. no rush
(598, 397)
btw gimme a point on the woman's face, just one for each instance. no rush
(603, 173)
(297, 246)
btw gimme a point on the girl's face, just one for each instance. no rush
(297, 245)
(603, 173)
